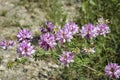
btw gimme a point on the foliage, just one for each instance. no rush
(21, 61)
(10, 64)
(86, 66)
(55, 12)
(107, 49)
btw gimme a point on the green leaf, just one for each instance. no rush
(92, 2)
(85, 6)
(113, 0)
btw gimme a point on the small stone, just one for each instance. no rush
(2, 68)
(46, 68)
(29, 67)
(53, 65)
(42, 74)
(25, 70)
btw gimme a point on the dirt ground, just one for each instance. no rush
(13, 14)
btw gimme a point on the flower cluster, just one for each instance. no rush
(66, 58)
(24, 35)
(63, 35)
(47, 41)
(25, 49)
(89, 31)
(72, 27)
(48, 27)
(67, 32)
(112, 70)
(6, 43)
(102, 29)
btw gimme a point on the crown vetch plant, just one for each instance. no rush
(66, 58)
(112, 70)
(72, 27)
(6, 43)
(43, 30)
(47, 41)
(25, 49)
(102, 29)
(66, 33)
(24, 34)
(49, 27)
(88, 31)
(63, 35)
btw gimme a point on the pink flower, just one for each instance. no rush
(63, 35)
(48, 27)
(25, 49)
(6, 43)
(47, 41)
(72, 27)
(24, 35)
(102, 29)
(88, 31)
(66, 58)
(112, 70)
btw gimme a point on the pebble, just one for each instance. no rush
(2, 68)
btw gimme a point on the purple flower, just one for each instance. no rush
(63, 35)
(25, 49)
(47, 41)
(48, 27)
(73, 28)
(43, 30)
(6, 43)
(11, 43)
(102, 29)
(88, 31)
(66, 58)
(24, 35)
(112, 70)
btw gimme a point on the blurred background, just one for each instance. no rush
(31, 14)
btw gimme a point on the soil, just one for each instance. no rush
(13, 15)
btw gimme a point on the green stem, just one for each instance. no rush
(93, 69)
(90, 68)
(58, 48)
